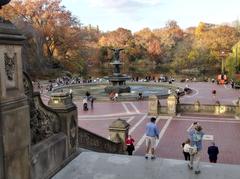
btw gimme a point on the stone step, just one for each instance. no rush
(91, 165)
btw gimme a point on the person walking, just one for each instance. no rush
(130, 146)
(196, 137)
(152, 133)
(92, 101)
(185, 147)
(169, 91)
(213, 153)
(214, 92)
(140, 96)
(87, 95)
(192, 127)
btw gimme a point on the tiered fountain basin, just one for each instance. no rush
(98, 90)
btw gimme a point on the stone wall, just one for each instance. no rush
(48, 156)
(14, 108)
(14, 139)
(67, 111)
(53, 132)
(163, 110)
(35, 140)
(91, 141)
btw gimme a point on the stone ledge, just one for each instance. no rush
(90, 165)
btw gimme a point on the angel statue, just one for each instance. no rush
(116, 53)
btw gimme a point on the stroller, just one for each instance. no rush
(85, 107)
(85, 104)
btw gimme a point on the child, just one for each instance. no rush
(185, 147)
(130, 147)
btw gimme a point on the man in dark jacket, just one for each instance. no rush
(213, 152)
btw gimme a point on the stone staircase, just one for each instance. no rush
(92, 165)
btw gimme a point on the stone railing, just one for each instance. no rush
(173, 107)
(163, 110)
(44, 121)
(53, 131)
(91, 141)
(216, 109)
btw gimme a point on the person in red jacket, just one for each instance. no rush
(130, 146)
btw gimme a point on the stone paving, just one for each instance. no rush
(91, 165)
(225, 131)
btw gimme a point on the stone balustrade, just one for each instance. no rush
(173, 107)
(94, 142)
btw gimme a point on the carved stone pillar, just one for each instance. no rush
(14, 109)
(153, 105)
(119, 131)
(67, 110)
(217, 108)
(197, 106)
(172, 105)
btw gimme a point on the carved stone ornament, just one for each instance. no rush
(10, 65)
(27, 87)
(43, 123)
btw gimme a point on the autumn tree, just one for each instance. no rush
(215, 40)
(53, 34)
(169, 36)
(147, 39)
(55, 38)
(117, 39)
(233, 61)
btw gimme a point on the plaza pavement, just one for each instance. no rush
(224, 130)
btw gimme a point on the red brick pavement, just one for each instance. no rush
(100, 125)
(108, 108)
(203, 92)
(226, 131)
(226, 135)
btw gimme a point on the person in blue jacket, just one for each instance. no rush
(196, 136)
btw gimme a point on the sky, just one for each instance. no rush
(138, 14)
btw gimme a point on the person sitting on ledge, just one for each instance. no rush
(187, 90)
(115, 97)
(111, 95)
(140, 96)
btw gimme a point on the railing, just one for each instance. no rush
(44, 121)
(91, 141)
(214, 109)
(208, 109)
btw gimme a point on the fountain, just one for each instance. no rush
(117, 80)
